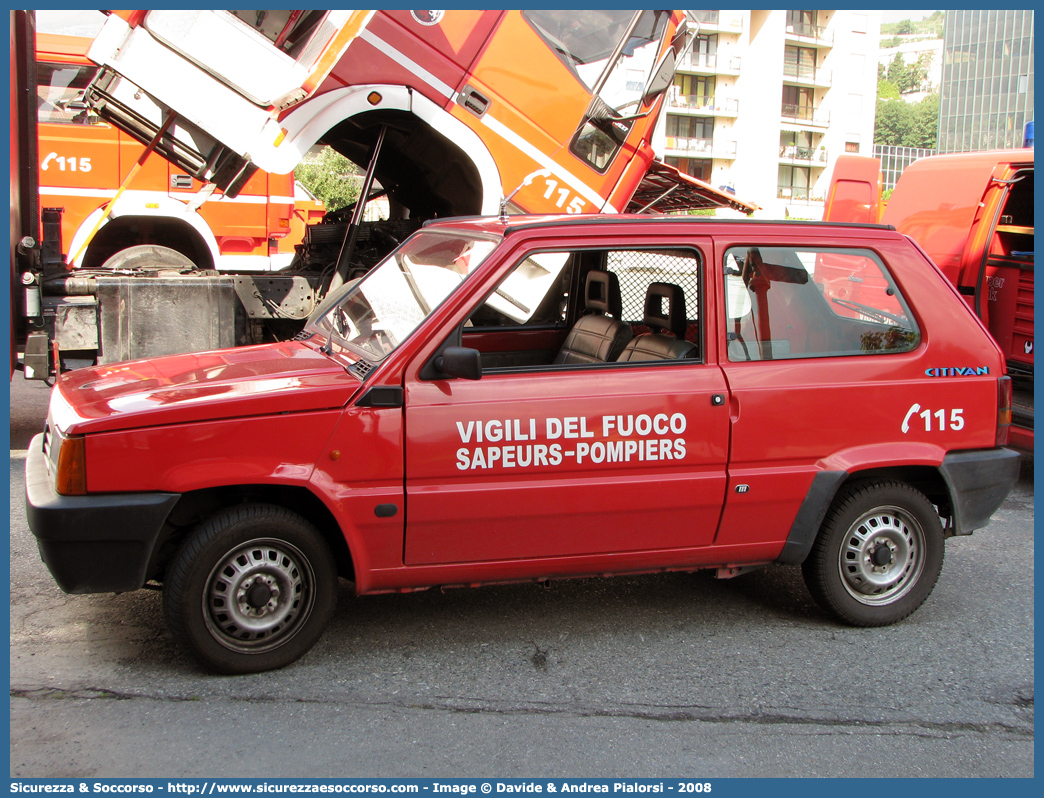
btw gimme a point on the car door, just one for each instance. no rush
(543, 461)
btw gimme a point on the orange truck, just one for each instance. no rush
(83, 162)
(451, 113)
(972, 213)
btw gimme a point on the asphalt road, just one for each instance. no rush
(667, 675)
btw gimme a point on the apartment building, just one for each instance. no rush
(766, 101)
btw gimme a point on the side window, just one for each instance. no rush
(535, 293)
(636, 269)
(59, 90)
(786, 303)
(629, 305)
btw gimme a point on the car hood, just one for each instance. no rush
(288, 377)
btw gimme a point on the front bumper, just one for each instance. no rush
(93, 544)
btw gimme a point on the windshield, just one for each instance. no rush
(585, 40)
(389, 303)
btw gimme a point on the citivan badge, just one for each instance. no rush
(428, 18)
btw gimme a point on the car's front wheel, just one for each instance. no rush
(878, 554)
(251, 589)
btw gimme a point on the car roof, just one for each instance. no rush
(506, 225)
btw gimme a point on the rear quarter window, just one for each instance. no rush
(792, 302)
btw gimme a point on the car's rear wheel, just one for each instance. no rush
(878, 554)
(251, 589)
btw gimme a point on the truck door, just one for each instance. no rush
(566, 111)
(543, 460)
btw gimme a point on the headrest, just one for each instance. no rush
(602, 293)
(673, 318)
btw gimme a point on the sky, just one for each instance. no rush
(71, 23)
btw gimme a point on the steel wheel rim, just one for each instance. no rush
(882, 556)
(258, 596)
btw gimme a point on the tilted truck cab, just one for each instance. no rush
(542, 397)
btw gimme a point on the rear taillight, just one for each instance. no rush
(71, 479)
(1003, 410)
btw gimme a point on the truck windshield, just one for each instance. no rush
(390, 302)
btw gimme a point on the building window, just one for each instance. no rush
(693, 127)
(793, 182)
(696, 90)
(795, 144)
(802, 23)
(851, 146)
(705, 51)
(799, 63)
(797, 103)
(700, 168)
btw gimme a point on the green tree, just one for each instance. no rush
(899, 73)
(919, 71)
(887, 90)
(925, 123)
(902, 124)
(893, 122)
(904, 27)
(331, 177)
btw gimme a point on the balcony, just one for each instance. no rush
(722, 21)
(803, 156)
(684, 146)
(703, 105)
(807, 76)
(805, 33)
(805, 115)
(796, 195)
(710, 63)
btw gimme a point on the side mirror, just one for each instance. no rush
(460, 361)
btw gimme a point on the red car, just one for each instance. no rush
(541, 397)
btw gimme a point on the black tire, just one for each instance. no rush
(149, 256)
(283, 575)
(877, 556)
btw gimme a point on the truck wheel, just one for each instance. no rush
(251, 589)
(148, 256)
(877, 556)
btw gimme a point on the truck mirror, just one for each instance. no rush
(460, 361)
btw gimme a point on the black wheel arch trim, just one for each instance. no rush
(810, 516)
(977, 481)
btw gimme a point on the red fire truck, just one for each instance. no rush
(83, 162)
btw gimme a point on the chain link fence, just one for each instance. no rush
(636, 269)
